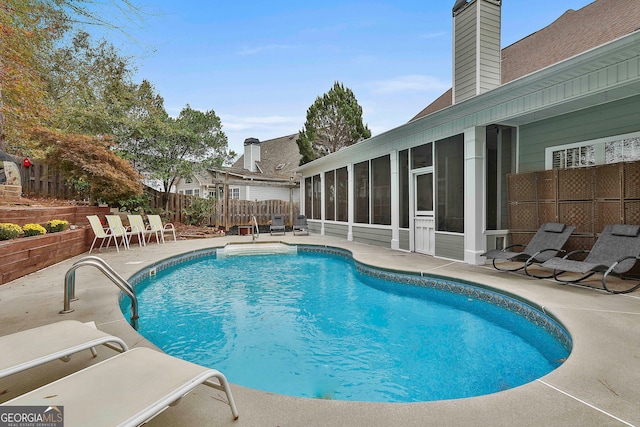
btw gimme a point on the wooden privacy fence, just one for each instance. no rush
(588, 198)
(41, 180)
(240, 212)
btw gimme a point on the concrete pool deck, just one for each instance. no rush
(596, 386)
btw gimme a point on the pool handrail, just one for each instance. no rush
(110, 273)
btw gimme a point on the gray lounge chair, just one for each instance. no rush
(300, 225)
(616, 251)
(277, 224)
(544, 245)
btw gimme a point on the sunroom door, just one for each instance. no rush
(423, 219)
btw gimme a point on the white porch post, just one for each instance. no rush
(474, 149)
(322, 202)
(395, 201)
(351, 199)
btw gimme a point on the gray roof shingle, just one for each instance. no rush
(574, 32)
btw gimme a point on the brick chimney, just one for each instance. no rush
(476, 47)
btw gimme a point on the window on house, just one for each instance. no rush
(308, 197)
(342, 194)
(234, 193)
(422, 156)
(317, 194)
(330, 196)
(612, 149)
(574, 157)
(499, 161)
(450, 184)
(196, 192)
(625, 150)
(381, 175)
(188, 192)
(361, 192)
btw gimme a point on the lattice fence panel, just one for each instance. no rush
(579, 214)
(524, 216)
(608, 181)
(632, 180)
(575, 184)
(548, 185)
(522, 187)
(608, 212)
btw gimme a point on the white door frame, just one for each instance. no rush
(423, 224)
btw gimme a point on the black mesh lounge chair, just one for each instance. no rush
(544, 245)
(277, 224)
(616, 251)
(300, 225)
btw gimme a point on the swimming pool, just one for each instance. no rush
(345, 331)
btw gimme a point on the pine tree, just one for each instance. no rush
(334, 121)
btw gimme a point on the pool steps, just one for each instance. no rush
(256, 249)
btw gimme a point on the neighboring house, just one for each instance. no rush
(565, 96)
(266, 171)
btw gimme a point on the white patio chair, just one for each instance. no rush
(100, 232)
(156, 225)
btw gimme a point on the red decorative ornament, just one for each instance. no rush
(26, 162)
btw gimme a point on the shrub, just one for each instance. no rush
(56, 225)
(199, 212)
(33, 230)
(140, 203)
(9, 231)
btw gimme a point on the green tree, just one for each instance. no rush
(89, 159)
(179, 147)
(334, 121)
(29, 31)
(90, 87)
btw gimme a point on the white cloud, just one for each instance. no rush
(266, 48)
(241, 123)
(409, 83)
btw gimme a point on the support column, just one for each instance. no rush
(350, 205)
(474, 194)
(395, 201)
(322, 203)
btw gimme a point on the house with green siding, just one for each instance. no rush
(564, 97)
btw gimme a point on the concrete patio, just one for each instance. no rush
(596, 386)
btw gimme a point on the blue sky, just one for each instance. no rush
(259, 65)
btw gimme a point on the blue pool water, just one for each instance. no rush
(311, 325)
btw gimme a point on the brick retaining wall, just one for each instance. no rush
(22, 256)
(25, 255)
(76, 215)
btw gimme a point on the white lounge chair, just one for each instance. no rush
(140, 229)
(118, 229)
(125, 390)
(156, 225)
(27, 349)
(100, 232)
